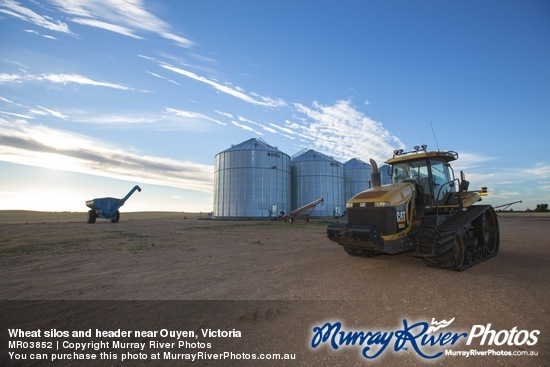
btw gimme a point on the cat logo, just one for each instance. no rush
(401, 217)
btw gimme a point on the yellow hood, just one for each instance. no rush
(387, 195)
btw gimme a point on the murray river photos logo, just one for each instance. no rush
(428, 340)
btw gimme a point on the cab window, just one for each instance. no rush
(441, 179)
(415, 171)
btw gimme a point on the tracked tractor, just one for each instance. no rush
(424, 209)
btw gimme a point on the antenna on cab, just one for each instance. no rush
(435, 138)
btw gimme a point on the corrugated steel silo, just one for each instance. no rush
(356, 177)
(314, 176)
(251, 180)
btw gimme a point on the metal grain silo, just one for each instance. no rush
(251, 180)
(356, 177)
(314, 176)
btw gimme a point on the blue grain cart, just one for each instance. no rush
(107, 208)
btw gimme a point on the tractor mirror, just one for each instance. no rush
(464, 184)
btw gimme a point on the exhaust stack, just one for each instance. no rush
(375, 178)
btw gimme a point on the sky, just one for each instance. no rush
(99, 95)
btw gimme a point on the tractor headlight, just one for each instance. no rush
(381, 203)
(349, 205)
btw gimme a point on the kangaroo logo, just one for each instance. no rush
(439, 325)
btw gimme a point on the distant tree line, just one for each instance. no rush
(541, 208)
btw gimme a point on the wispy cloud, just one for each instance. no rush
(236, 92)
(40, 34)
(107, 26)
(184, 42)
(344, 131)
(167, 119)
(225, 114)
(266, 128)
(16, 10)
(38, 111)
(117, 120)
(291, 133)
(503, 183)
(17, 115)
(193, 115)
(53, 113)
(540, 171)
(78, 79)
(246, 127)
(125, 17)
(38, 145)
(10, 78)
(3, 99)
(162, 77)
(468, 161)
(60, 79)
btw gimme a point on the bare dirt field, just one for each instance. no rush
(279, 277)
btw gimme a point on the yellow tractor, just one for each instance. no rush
(425, 209)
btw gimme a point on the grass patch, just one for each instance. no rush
(131, 235)
(30, 216)
(137, 248)
(27, 248)
(57, 242)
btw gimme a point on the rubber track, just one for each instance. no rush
(460, 220)
(444, 255)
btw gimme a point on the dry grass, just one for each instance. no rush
(28, 216)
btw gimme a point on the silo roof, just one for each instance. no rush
(355, 163)
(253, 144)
(312, 155)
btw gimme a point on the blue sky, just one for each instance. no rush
(98, 95)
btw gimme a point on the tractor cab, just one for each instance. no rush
(430, 172)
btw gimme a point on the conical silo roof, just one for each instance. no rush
(356, 163)
(253, 144)
(312, 155)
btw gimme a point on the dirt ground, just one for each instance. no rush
(289, 275)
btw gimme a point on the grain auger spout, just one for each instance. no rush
(123, 200)
(300, 212)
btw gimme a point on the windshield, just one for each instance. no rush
(407, 171)
(419, 172)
